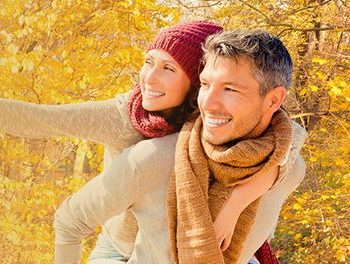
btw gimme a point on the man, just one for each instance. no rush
(241, 148)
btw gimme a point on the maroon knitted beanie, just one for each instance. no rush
(184, 43)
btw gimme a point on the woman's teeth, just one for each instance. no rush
(153, 94)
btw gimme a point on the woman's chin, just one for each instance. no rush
(151, 107)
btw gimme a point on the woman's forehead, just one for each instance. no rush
(161, 55)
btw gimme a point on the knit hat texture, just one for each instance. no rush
(184, 43)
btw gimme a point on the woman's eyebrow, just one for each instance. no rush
(148, 56)
(170, 61)
(202, 77)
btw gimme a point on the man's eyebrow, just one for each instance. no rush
(238, 84)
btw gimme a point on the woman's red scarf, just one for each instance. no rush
(148, 124)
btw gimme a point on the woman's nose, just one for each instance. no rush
(151, 75)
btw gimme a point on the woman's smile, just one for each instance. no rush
(153, 94)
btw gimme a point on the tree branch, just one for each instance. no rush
(293, 12)
(255, 9)
(291, 28)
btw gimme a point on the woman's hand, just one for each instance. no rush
(224, 225)
(241, 196)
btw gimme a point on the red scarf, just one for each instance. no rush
(148, 124)
(265, 255)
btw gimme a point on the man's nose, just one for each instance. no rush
(211, 99)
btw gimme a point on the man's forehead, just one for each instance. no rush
(211, 60)
(238, 71)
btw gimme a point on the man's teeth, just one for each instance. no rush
(217, 121)
(154, 93)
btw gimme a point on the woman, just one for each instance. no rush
(158, 106)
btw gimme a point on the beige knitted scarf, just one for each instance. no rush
(204, 177)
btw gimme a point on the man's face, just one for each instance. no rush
(229, 100)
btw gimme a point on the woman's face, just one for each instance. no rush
(164, 85)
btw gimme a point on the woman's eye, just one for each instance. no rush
(148, 61)
(169, 68)
(204, 85)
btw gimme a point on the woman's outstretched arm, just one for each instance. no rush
(99, 121)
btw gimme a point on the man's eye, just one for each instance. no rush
(148, 61)
(229, 89)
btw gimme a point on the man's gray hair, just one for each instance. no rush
(272, 64)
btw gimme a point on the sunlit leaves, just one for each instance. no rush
(67, 40)
(58, 52)
(26, 219)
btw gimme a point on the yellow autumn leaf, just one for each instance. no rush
(21, 20)
(82, 85)
(64, 54)
(304, 222)
(27, 65)
(314, 88)
(38, 48)
(12, 48)
(3, 61)
(303, 91)
(297, 236)
(297, 206)
(320, 61)
(68, 69)
(15, 68)
(313, 159)
(336, 91)
(321, 75)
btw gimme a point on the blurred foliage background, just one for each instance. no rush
(55, 52)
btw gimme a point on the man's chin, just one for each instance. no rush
(212, 139)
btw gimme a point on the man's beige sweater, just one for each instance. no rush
(136, 180)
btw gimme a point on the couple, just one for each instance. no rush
(208, 194)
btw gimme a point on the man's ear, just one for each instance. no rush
(274, 98)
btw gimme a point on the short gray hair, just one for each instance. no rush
(272, 64)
